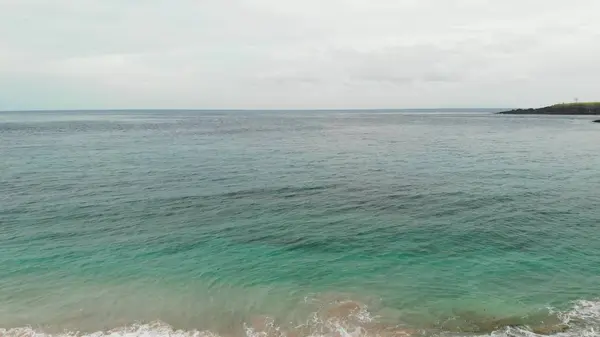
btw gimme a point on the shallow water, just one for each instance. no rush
(160, 223)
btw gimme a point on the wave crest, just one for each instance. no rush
(344, 319)
(155, 329)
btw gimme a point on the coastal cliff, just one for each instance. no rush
(584, 108)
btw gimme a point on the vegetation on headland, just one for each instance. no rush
(578, 108)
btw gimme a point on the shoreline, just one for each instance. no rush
(339, 316)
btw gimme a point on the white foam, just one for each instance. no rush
(518, 332)
(583, 320)
(156, 329)
(269, 329)
(584, 311)
(363, 315)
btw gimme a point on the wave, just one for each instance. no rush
(582, 320)
(346, 319)
(157, 329)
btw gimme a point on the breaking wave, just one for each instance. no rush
(345, 319)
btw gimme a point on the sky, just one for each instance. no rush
(297, 54)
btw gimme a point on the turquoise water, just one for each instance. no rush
(181, 223)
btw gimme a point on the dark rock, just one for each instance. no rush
(592, 108)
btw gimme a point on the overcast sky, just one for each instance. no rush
(59, 54)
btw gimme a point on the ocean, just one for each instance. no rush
(298, 223)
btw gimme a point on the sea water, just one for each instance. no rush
(293, 224)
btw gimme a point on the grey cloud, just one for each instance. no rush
(288, 54)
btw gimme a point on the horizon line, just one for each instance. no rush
(256, 110)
